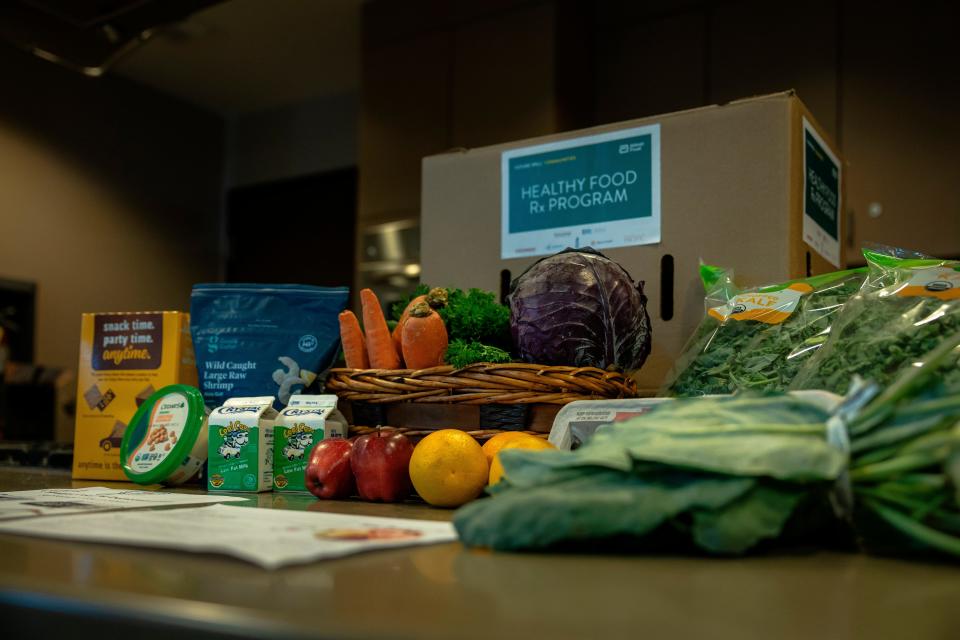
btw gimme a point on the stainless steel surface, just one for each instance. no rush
(445, 591)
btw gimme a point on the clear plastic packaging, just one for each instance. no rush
(758, 338)
(909, 308)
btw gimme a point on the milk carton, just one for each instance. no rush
(304, 422)
(240, 445)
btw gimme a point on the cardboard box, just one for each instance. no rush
(755, 185)
(122, 356)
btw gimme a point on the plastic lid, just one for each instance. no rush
(162, 434)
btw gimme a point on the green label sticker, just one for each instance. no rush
(601, 190)
(234, 457)
(291, 454)
(821, 196)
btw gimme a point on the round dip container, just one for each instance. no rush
(166, 441)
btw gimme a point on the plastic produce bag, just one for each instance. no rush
(758, 338)
(263, 340)
(911, 307)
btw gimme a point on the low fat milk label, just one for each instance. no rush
(821, 196)
(771, 308)
(291, 453)
(127, 341)
(234, 463)
(936, 282)
(164, 427)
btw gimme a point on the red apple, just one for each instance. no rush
(380, 462)
(328, 473)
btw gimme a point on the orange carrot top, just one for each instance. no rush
(424, 338)
(436, 298)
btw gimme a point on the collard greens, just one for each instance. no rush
(722, 473)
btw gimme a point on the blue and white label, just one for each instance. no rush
(308, 343)
(600, 190)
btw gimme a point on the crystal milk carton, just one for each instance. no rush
(240, 445)
(307, 420)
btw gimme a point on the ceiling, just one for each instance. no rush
(248, 55)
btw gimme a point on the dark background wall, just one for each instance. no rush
(879, 76)
(113, 193)
(110, 196)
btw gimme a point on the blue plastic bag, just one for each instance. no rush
(263, 340)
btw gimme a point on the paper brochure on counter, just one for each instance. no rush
(55, 502)
(270, 538)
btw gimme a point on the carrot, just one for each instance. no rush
(398, 330)
(424, 338)
(354, 350)
(383, 355)
(436, 298)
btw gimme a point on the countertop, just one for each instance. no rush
(446, 591)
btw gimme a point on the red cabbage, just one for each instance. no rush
(579, 308)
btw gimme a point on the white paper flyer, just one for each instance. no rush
(270, 538)
(48, 502)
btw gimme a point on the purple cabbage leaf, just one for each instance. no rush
(579, 308)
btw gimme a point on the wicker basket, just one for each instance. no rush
(416, 435)
(483, 395)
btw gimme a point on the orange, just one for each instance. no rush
(448, 468)
(530, 442)
(493, 445)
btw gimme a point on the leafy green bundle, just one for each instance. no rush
(888, 326)
(477, 325)
(720, 474)
(724, 474)
(905, 459)
(732, 353)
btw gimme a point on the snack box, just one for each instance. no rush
(307, 420)
(240, 445)
(124, 357)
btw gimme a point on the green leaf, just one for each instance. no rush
(597, 504)
(757, 515)
(461, 353)
(779, 436)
